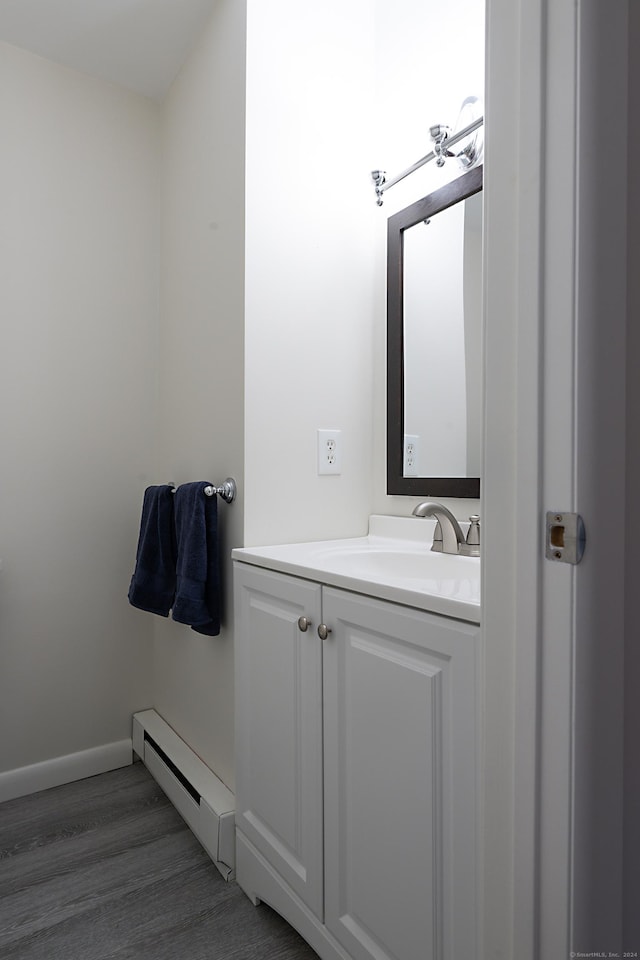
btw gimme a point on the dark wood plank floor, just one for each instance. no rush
(106, 868)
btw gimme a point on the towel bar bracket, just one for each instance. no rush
(226, 490)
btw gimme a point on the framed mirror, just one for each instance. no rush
(434, 311)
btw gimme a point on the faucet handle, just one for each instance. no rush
(437, 538)
(473, 533)
(472, 546)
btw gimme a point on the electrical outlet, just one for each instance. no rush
(329, 452)
(410, 456)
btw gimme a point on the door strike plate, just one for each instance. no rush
(565, 538)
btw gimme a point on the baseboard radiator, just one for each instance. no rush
(203, 801)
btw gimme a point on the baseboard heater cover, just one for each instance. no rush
(201, 798)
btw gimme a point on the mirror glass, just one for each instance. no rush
(434, 343)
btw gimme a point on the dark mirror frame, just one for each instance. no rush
(461, 188)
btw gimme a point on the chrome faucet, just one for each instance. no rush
(448, 536)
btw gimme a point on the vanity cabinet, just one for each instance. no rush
(356, 769)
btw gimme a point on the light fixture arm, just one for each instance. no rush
(443, 140)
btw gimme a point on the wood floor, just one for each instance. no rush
(106, 868)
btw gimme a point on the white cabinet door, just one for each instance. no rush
(400, 780)
(279, 726)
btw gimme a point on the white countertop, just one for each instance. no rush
(394, 562)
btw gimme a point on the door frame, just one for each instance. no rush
(553, 634)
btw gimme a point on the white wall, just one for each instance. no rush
(94, 383)
(429, 58)
(97, 382)
(309, 306)
(200, 414)
(78, 378)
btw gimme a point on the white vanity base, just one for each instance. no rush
(356, 775)
(261, 883)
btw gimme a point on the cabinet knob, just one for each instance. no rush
(323, 631)
(303, 624)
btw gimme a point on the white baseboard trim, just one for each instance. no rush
(73, 766)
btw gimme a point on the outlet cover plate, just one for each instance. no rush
(410, 456)
(329, 452)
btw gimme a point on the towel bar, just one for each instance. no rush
(226, 490)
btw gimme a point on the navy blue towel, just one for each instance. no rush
(197, 599)
(153, 584)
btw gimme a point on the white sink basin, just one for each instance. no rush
(404, 570)
(397, 563)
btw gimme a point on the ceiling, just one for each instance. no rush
(139, 44)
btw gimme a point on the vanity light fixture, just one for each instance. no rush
(470, 120)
